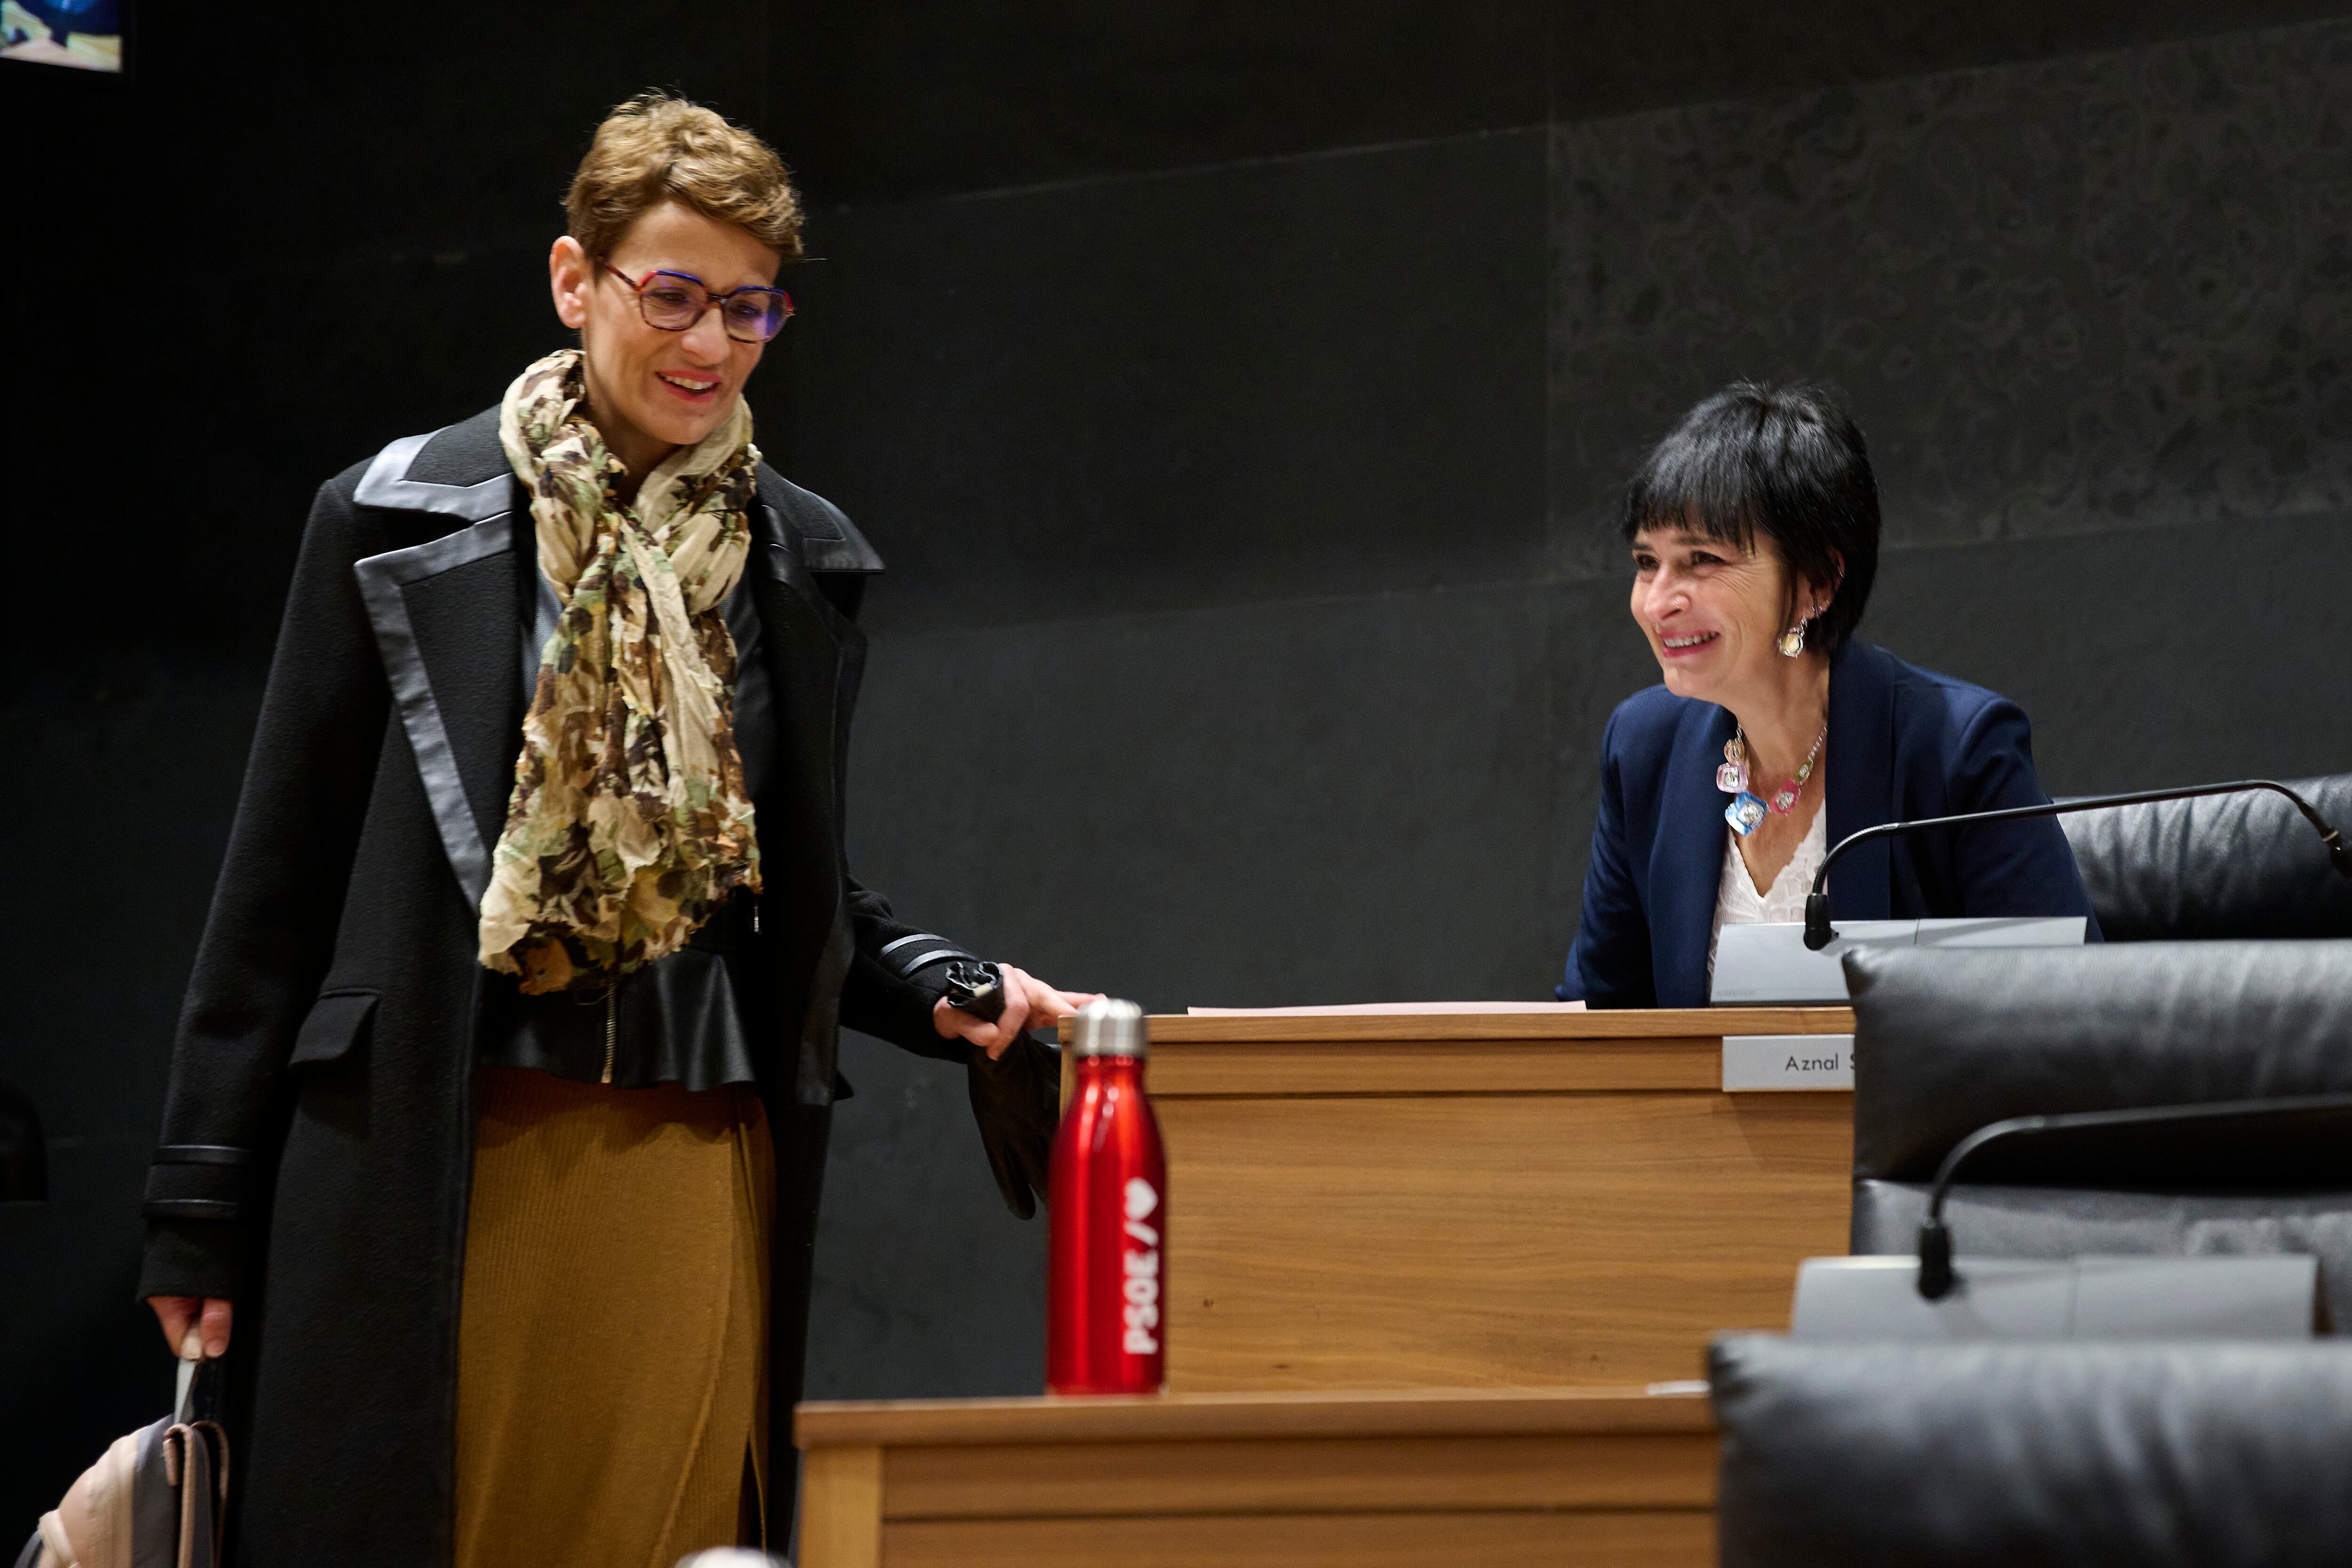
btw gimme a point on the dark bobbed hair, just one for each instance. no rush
(1783, 461)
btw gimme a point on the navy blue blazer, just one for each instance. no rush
(1903, 743)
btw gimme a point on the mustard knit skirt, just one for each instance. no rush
(612, 1369)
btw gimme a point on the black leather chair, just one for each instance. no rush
(1948, 1041)
(2155, 1456)
(2215, 869)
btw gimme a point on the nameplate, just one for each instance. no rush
(1753, 1062)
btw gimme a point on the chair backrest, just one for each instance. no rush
(1948, 1041)
(2214, 869)
(2156, 1456)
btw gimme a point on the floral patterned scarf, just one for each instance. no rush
(628, 824)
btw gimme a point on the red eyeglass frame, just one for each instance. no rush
(711, 301)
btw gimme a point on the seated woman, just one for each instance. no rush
(1754, 527)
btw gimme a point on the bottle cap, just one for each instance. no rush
(1107, 1028)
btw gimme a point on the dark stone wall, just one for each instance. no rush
(1303, 376)
(1253, 520)
(2111, 291)
(1237, 394)
(908, 98)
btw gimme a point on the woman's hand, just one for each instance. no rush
(206, 1315)
(1029, 1003)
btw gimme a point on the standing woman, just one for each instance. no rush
(498, 1108)
(1754, 529)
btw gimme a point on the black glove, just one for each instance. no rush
(1017, 1101)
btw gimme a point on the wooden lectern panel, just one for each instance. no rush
(1553, 1477)
(1459, 1241)
(1629, 1540)
(1457, 1200)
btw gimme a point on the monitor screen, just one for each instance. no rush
(86, 35)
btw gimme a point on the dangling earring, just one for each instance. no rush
(1792, 640)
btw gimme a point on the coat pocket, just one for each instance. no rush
(338, 1025)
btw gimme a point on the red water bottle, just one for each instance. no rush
(1105, 1304)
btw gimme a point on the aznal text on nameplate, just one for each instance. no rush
(1754, 1063)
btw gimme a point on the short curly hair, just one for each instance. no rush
(659, 147)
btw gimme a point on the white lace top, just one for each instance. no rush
(1736, 901)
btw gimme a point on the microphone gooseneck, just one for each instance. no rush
(1937, 1274)
(1820, 933)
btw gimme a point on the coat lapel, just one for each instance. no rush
(1687, 861)
(815, 658)
(812, 649)
(1861, 786)
(446, 616)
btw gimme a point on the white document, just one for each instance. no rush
(1371, 1008)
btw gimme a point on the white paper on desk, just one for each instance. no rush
(1368, 1007)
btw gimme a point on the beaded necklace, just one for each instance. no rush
(1746, 812)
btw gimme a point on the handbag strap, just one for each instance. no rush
(195, 1462)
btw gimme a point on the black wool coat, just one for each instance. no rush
(317, 1139)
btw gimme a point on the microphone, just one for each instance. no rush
(1819, 932)
(1936, 1276)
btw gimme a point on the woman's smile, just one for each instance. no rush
(696, 389)
(1683, 644)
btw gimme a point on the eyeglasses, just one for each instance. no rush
(673, 301)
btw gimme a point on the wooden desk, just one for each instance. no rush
(1551, 1477)
(1479, 1199)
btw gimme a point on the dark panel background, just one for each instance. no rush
(2103, 292)
(1301, 376)
(1237, 393)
